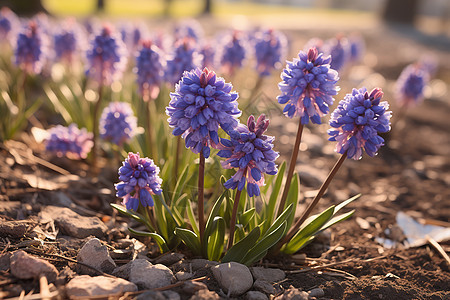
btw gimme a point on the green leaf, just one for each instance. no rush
(217, 239)
(304, 234)
(182, 179)
(292, 198)
(238, 251)
(129, 213)
(337, 219)
(158, 239)
(271, 206)
(283, 217)
(191, 217)
(247, 216)
(261, 248)
(190, 239)
(344, 203)
(210, 222)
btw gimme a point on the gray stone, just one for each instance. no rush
(293, 294)
(316, 293)
(205, 295)
(169, 258)
(96, 255)
(87, 286)
(267, 274)
(191, 287)
(311, 176)
(13, 229)
(255, 295)
(5, 261)
(183, 275)
(145, 274)
(234, 278)
(157, 295)
(264, 286)
(200, 263)
(73, 224)
(25, 266)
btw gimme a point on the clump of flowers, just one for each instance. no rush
(139, 180)
(30, 49)
(150, 70)
(200, 104)
(251, 151)
(71, 142)
(118, 123)
(183, 58)
(106, 57)
(189, 28)
(270, 48)
(308, 86)
(410, 85)
(357, 121)
(339, 49)
(232, 52)
(67, 42)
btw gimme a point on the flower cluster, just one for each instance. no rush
(356, 122)
(69, 141)
(339, 49)
(200, 104)
(106, 57)
(8, 21)
(410, 85)
(118, 123)
(184, 58)
(249, 150)
(30, 49)
(66, 43)
(307, 86)
(139, 180)
(232, 53)
(150, 70)
(270, 47)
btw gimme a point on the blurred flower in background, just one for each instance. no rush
(118, 123)
(69, 142)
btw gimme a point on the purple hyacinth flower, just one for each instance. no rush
(356, 122)
(107, 57)
(8, 23)
(208, 52)
(307, 86)
(410, 85)
(250, 151)
(183, 58)
(139, 180)
(150, 70)
(314, 43)
(357, 47)
(270, 48)
(70, 142)
(339, 49)
(190, 28)
(118, 123)
(67, 42)
(232, 52)
(31, 48)
(200, 104)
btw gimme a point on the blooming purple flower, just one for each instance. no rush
(410, 85)
(356, 122)
(8, 22)
(150, 70)
(139, 180)
(190, 28)
(30, 50)
(232, 52)
(200, 104)
(68, 41)
(118, 123)
(357, 47)
(107, 57)
(69, 141)
(339, 49)
(270, 48)
(184, 58)
(314, 43)
(307, 86)
(249, 150)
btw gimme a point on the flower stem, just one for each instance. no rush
(201, 180)
(95, 129)
(314, 202)
(291, 169)
(233, 218)
(151, 142)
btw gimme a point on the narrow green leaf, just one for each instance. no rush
(158, 239)
(337, 219)
(292, 198)
(191, 217)
(217, 239)
(307, 231)
(129, 213)
(247, 216)
(209, 223)
(190, 239)
(238, 251)
(261, 248)
(283, 217)
(344, 203)
(182, 179)
(271, 206)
